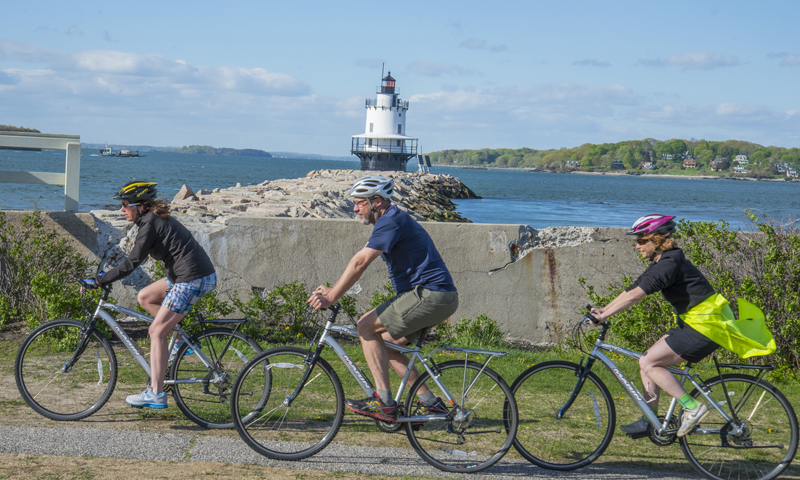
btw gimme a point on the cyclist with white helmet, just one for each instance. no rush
(683, 286)
(426, 295)
(190, 275)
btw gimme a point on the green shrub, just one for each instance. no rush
(39, 271)
(481, 333)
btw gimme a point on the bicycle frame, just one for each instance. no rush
(100, 313)
(414, 353)
(660, 428)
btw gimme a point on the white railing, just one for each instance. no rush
(71, 178)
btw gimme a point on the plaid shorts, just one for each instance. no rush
(181, 296)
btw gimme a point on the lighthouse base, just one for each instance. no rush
(384, 161)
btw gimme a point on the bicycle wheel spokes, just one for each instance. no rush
(476, 435)
(70, 395)
(580, 435)
(284, 431)
(768, 438)
(208, 403)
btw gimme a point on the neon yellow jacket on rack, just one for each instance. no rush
(746, 336)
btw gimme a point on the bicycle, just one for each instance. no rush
(751, 431)
(66, 369)
(305, 403)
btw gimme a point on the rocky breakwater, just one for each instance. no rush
(324, 194)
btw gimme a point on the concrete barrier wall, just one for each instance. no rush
(525, 279)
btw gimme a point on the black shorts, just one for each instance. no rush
(690, 344)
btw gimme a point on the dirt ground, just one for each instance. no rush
(51, 468)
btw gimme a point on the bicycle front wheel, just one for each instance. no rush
(73, 394)
(284, 430)
(206, 400)
(760, 446)
(475, 435)
(576, 437)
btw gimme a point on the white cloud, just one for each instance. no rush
(433, 69)
(74, 30)
(499, 48)
(473, 43)
(591, 62)
(705, 60)
(791, 61)
(107, 37)
(129, 73)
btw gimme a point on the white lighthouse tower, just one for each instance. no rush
(384, 144)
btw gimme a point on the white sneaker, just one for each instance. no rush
(690, 418)
(148, 399)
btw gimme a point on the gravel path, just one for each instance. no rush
(180, 447)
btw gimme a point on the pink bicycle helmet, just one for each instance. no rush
(661, 224)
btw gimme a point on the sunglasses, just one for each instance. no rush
(642, 241)
(361, 204)
(126, 204)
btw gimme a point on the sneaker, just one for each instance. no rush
(148, 399)
(437, 408)
(373, 407)
(638, 427)
(175, 348)
(690, 418)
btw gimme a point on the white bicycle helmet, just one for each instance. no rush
(372, 185)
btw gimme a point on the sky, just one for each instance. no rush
(294, 76)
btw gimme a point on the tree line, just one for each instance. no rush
(206, 150)
(651, 154)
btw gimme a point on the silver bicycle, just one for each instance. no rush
(305, 403)
(67, 369)
(568, 416)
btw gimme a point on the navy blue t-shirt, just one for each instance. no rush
(409, 253)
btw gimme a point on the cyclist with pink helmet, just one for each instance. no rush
(683, 286)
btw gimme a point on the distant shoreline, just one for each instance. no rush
(626, 174)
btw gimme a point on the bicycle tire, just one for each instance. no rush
(770, 422)
(584, 431)
(208, 403)
(479, 439)
(292, 432)
(65, 396)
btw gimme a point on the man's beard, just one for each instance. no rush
(366, 219)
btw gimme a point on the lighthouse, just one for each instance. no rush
(384, 144)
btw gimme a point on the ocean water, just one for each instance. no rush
(509, 196)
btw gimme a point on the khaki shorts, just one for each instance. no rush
(408, 313)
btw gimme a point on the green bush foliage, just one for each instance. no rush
(39, 271)
(481, 333)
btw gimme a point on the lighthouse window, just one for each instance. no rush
(370, 142)
(399, 129)
(370, 127)
(398, 143)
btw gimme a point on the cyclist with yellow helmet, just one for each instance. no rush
(190, 275)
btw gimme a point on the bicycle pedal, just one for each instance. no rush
(639, 435)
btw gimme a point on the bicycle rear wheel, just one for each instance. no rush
(479, 433)
(766, 444)
(275, 429)
(59, 395)
(582, 433)
(208, 403)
